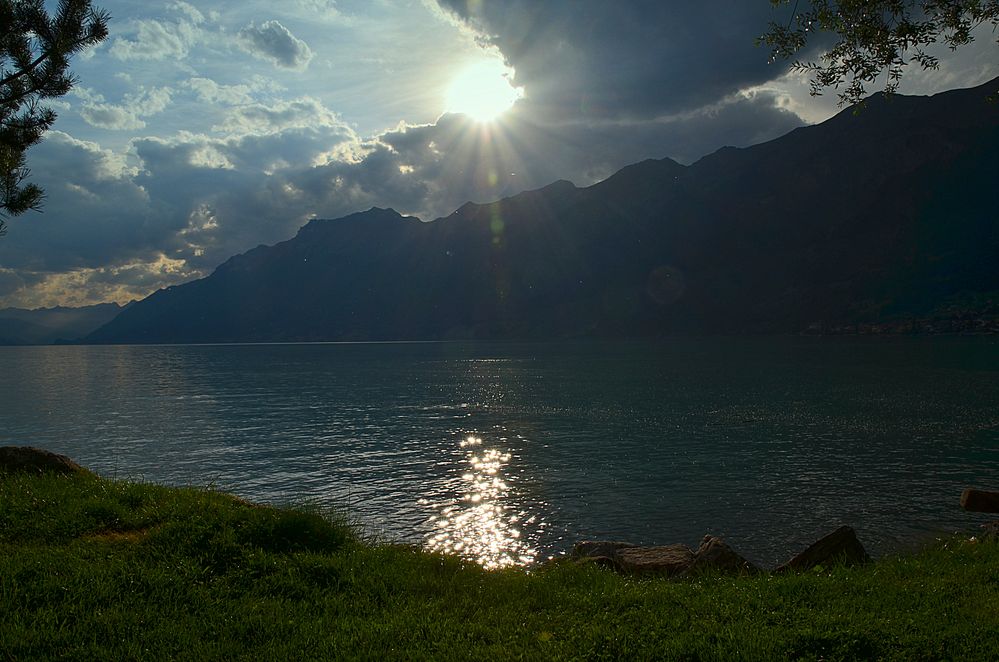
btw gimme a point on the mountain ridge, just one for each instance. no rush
(44, 326)
(868, 218)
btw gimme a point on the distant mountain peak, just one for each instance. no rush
(43, 326)
(372, 215)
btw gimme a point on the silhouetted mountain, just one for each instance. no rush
(878, 217)
(44, 326)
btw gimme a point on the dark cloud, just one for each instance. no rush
(186, 204)
(460, 160)
(10, 282)
(627, 59)
(607, 85)
(272, 41)
(94, 212)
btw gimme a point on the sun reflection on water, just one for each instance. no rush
(480, 524)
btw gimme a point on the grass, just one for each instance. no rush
(101, 569)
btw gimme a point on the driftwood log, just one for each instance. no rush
(980, 501)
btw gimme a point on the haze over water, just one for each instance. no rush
(509, 453)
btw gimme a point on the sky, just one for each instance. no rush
(201, 129)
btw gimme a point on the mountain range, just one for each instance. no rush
(44, 326)
(883, 216)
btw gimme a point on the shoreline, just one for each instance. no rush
(100, 568)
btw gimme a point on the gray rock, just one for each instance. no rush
(714, 554)
(668, 560)
(840, 546)
(25, 459)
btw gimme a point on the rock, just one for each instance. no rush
(980, 501)
(599, 552)
(599, 548)
(840, 546)
(669, 560)
(714, 554)
(25, 459)
(990, 531)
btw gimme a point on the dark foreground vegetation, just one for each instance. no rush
(101, 569)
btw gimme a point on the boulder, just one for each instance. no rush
(25, 459)
(599, 552)
(980, 501)
(599, 548)
(668, 560)
(840, 546)
(715, 555)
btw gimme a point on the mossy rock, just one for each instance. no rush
(26, 459)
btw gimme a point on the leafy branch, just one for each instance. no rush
(873, 37)
(35, 50)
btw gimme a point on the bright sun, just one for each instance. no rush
(482, 91)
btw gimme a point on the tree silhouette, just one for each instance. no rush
(34, 60)
(874, 37)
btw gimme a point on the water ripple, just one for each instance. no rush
(509, 453)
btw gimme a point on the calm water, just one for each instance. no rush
(511, 452)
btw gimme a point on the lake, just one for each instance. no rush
(508, 453)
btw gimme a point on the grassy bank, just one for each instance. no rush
(100, 569)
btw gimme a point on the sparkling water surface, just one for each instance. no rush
(508, 453)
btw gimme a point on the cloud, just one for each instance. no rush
(109, 116)
(209, 91)
(261, 118)
(11, 282)
(326, 9)
(275, 43)
(635, 59)
(94, 213)
(607, 84)
(126, 116)
(191, 12)
(458, 161)
(82, 287)
(646, 59)
(154, 40)
(150, 101)
(113, 220)
(193, 199)
(86, 94)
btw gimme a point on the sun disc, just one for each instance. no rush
(482, 91)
